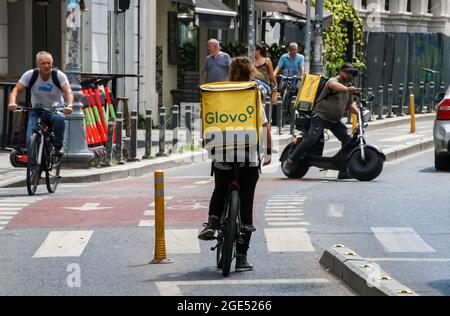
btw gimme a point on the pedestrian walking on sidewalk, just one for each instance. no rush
(216, 65)
(47, 86)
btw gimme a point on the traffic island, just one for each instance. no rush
(364, 277)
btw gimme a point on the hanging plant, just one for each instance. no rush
(336, 38)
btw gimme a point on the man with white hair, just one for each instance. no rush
(217, 64)
(47, 86)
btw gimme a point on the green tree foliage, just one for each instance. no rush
(336, 38)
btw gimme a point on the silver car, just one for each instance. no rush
(442, 132)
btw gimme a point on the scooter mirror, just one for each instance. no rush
(366, 115)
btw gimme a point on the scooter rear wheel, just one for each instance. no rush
(301, 169)
(368, 169)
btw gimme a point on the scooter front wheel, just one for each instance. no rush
(368, 169)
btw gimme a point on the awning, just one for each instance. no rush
(291, 7)
(213, 14)
(185, 2)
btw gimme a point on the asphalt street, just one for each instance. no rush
(98, 239)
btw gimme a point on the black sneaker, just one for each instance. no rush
(242, 264)
(209, 228)
(344, 175)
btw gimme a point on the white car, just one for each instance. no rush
(441, 133)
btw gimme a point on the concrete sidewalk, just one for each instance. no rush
(392, 135)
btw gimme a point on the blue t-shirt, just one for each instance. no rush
(291, 67)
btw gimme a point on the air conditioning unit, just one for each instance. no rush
(122, 5)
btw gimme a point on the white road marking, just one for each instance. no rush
(283, 211)
(332, 174)
(182, 241)
(4, 223)
(89, 207)
(10, 209)
(283, 219)
(288, 240)
(8, 213)
(188, 187)
(272, 214)
(5, 218)
(403, 239)
(1, 228)
(336, 211)
(64, 244)
(9, 204)
(147, 223)
(149, 213)
(287, 209)
(203, 182)
(401, 138)
(290, 224)
(168, 288)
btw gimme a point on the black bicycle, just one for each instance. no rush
(231, 229)
(42, 156)
(289, 90)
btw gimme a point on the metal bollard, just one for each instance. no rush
(133, 138)
(160, 240)
(119, 140)
(109, 144)
(380, 103)
(390, 100)
(401, 90)
(422, 97)
(162, 132)
(431, 102)
(280, 114)
(148, 134)
(175, 120)
(412, 110)
(411, 92)
(370, 103)
(188, 118)
(292, 109)
(268, 109)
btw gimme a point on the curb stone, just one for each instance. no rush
(366, 278)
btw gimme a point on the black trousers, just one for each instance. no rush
(248, 177)
(315, 133)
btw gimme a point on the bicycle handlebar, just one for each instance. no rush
(22, 109)
(288, 78)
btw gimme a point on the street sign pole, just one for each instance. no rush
(77, 153)
(251, 30)
(317, 65)
(308, 37)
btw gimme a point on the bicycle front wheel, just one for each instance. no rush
(230, 233)
(52, 174)
(34, 167)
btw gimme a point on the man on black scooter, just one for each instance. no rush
(332, 102)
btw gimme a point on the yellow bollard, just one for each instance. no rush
(413, 113)
(354, 121)
(160, 240)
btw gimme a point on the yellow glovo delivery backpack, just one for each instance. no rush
(232, 120)
(312, 86)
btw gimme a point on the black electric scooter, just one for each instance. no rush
(363, 161)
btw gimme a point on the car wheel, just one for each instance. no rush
(441, 162)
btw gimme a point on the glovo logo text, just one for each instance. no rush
(222, 118)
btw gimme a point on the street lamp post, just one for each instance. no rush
(77, 153)
(308, 37)
(251, 30)
(317, 65)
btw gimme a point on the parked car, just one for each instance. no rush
(441, 132)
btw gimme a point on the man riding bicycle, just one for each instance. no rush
(291, 64)
(47, 86)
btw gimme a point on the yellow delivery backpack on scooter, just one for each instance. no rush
(312, 86)
(232, 120)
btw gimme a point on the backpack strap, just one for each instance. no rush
(55, 79)
(34, 78)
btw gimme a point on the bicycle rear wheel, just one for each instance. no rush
(52, 173)
(34, 168)
(230, 233)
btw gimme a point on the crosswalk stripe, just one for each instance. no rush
(283, 219)
(5, 218)
(10, 209)
(202, 182)
(146, 223)
(272, 214)
(290, 224)
(62, 244)
(283, 211)
(288, 240)
(182, 241)
(401, 239)
(4, 213)
(3, 223)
